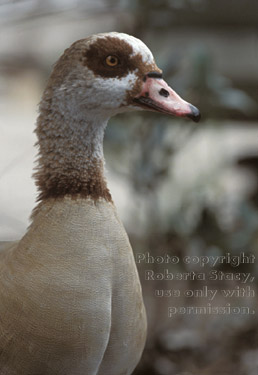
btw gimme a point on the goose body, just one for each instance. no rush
(69, 314)
(71, 300)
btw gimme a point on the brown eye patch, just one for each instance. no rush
(95, 60)
(105, 50)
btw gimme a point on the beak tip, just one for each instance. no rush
(195, 114)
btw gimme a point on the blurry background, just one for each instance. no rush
(180, 188)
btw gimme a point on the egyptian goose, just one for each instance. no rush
(71, 300)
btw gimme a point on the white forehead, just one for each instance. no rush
(137, 45)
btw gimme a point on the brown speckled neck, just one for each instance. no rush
(70, 159)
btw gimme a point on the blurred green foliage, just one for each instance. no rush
(197, 226)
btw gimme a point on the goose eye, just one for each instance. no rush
(112, 60)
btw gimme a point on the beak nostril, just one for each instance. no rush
(164, 93)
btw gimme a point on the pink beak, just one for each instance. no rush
(156, 95)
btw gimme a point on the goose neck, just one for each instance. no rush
(71, 160)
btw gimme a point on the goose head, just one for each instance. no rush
(94, 79)
(111, 73)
